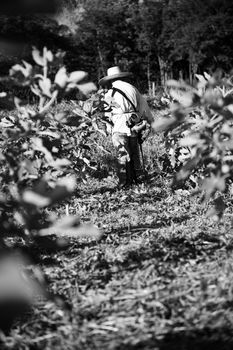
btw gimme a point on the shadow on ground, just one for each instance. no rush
(172, 247)
(206, 339)
(216, 339)
(110, 261)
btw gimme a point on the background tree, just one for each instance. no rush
(196, 36)
(156, 40)
(121, 32)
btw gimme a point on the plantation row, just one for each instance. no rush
(45, 153)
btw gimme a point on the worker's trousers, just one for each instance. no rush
(128, 157)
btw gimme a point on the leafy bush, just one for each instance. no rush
(42, 155)
(199, 131)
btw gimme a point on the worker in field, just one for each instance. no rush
(131, 118)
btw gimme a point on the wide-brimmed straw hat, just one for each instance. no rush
(114, 73)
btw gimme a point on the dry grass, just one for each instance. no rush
(161, 277)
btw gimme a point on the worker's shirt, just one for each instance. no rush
(122, 109)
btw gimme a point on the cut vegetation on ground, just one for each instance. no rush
(160, 277)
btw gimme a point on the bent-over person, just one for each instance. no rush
(129, 114)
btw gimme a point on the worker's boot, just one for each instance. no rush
(131, 177)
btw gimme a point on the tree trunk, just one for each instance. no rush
(181, 75)
(148, 74)
(190, 73)
(163, 71)
(193, 67)
(102, 68)
(101, 60)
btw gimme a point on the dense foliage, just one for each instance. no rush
(199, 133)
(156, 40)
(43, 154)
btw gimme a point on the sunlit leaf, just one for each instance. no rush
(49, 55)
(190, 140)
(184, 98)
(72, 227)
(45, 85)
(37, 57)
(36, 199)
(201, 79)
(77, 76)
(61, 78)
(87, 88)
(60, 163)
(5, 123)
(207, 76)
(52, 134)
(42, 196)
(164, 124)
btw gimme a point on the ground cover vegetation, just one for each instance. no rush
(83, 264)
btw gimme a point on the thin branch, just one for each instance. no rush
(49, 104)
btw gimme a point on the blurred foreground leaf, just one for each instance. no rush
(42, 196)
(70, 226)
(18, 291)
